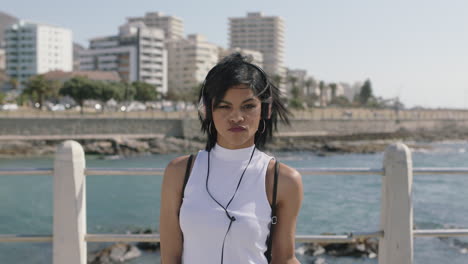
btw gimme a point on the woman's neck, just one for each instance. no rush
(222, 153)
(227, 145)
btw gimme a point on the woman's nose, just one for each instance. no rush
(236, 116)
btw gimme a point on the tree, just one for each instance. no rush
(322, 88)
(296, 100)
(196, 92)
(171, 95)
(129, 92)
(292, 80)
(310, 100)
(14, 83)
(295, 92)
(104, 91)
(80, 89)
(340, 101)
(366, 92)
(296, 103)
(333, 88)
(2, 97)
(186, 95)
(277, 80)
(144, 91)
(310, 83)
(38, 87)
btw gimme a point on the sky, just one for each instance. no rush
(416, 50)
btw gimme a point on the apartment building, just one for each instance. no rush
(172, 26)
(6, 20)
(189, 61)
(260, 33)
(2, 60)
(34, 48)
(137, 53)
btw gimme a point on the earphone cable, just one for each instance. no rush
(231, 218)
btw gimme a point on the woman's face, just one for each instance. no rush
(237, 118)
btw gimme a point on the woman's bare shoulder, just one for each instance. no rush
(175, 172)
(289, 174)
(289, 179)
(286, 174)
(178, 163)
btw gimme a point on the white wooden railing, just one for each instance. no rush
(70, 235)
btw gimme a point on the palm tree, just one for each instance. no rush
(292, 80)
(310, 83)
(333, 88)
(323, 91)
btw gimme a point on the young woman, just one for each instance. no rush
(222, 207)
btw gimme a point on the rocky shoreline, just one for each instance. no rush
(361, 248)
(322, 145)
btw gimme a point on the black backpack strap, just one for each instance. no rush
(274, 218)
(187, 174)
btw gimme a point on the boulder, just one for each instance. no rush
(359, 248)
(117, 253)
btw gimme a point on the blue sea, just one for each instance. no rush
(333, 204)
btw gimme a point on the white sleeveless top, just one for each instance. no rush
(204, 223)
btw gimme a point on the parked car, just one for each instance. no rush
(9, 107)
(133, 106)
(57, 107)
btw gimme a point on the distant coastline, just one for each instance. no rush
(324, 131)
(131, 145)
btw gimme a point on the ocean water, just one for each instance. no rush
(336, 204)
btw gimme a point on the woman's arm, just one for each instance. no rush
(171, 200)
(289, 200)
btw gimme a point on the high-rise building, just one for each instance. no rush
(33, 48)
(77, 49)
(137, 53)
(261, 33)
(6, 20)
(2, 60)
(190, 60)
(173, 26)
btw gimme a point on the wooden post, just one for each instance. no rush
(396, 246)
(69, 228)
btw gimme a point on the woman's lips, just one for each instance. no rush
(237, 129)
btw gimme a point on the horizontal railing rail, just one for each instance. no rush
(154, 238)
(22, 172)
(303, 171)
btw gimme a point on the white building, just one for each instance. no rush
(173, 26)
(190, 60)
(2, 59)
(296, 77)
(255, 57)
(260, 33)
(137, 54)
(33, 48)
(350, 91)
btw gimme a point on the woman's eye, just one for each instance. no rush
(249, 106)
(223, 106)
